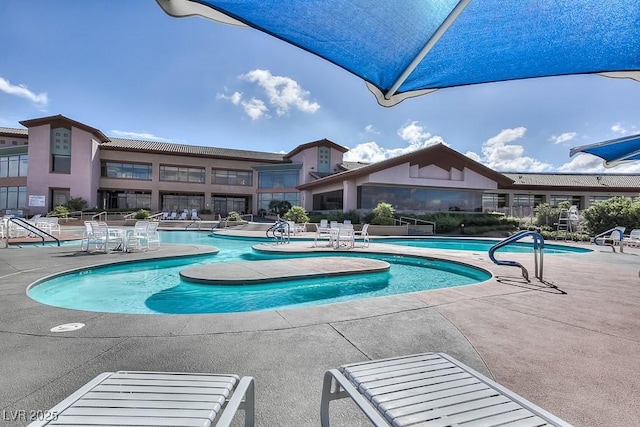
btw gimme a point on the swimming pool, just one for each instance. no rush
(479, 245)
(154, 286)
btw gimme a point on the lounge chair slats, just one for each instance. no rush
(430, 389)
(156, 399)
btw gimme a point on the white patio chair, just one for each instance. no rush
(363, 234)
(138, 238)
(104, 239)
(322, 230)
(156, 399)
(153, 236)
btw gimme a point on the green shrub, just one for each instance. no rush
(141, 214)
(383, 214)
(59, 211)
(234, 216)
(205, 212)
(607, 214)
(297, 214)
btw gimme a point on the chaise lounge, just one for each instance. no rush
(429, 389)
(155, 399)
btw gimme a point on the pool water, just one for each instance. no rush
(155, 287)
(479, 245)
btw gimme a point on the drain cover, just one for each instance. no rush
(67, 327)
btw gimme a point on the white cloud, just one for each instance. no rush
(367, 152)
(254, 108)
(564, 137)
(500, 154)
(136, 135)
(40, 99)
(284, 93)
(371, 129)
(413, 133)
(417, 136)
(587, 163)
(618, 128)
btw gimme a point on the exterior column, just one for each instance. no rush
(349, 196)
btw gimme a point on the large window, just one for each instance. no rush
(278, 179)
(126, 199)
(493, 201)
(177, 202)
(526, 200)
(60, 196)
(60, 150)
(328, 201)
(231, 177)
(126, 170)
(420, 199)
(13, 197)
(182, 174)
(12, 166)
(265, 199)
(222, 205)
(555, 199)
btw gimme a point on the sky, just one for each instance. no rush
(130, 70)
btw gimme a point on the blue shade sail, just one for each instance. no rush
(613, 152)
(412, 47)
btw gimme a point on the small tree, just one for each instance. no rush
(296, 214)
(383, 214)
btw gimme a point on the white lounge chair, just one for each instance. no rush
(429, 389)
(613, 237)
(156, 399)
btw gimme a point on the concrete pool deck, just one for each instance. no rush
(571, 345)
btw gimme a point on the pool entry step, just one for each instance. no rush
(255, 272)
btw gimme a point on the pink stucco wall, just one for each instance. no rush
(85, 167)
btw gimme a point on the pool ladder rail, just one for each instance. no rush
(538, 252)
(280, 231)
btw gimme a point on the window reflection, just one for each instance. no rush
(420, 199)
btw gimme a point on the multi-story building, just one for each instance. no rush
(56, 158)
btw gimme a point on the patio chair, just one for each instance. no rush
(429, 389)
(322, 230)
(613, 237)
(87, 235)
(138, 238)
(363, 234)
(634, 238)
(105, 239)
(153, 236)
(156, 399)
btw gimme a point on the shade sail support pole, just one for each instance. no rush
(460, 7)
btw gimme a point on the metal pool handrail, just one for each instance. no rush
(538, 251)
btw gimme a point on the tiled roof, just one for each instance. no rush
(172, 148)
(352, 165)
(17, 132)
(575, 180)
